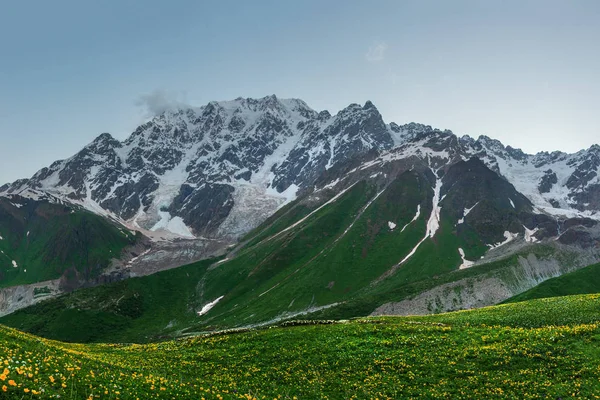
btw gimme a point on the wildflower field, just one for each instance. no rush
(546, 348)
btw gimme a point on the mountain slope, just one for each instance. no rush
(132, 310)
(583, 281)
(411, 238)
(41, 240)
(204, 169)
(336, 216)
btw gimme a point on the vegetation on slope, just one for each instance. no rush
(132, 310)
(47, 241)
(582, 281)
(330, 266)
(540, 349)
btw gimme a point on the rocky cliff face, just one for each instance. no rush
(221, 169)
(212, 171)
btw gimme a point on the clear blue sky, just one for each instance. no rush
(525, 72)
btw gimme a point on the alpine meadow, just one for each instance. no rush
(266, 248)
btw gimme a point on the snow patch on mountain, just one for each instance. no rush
(172, 224)
(414, 218)
(465, 263)
(466, 212)
(333, 199)
(508, 236)
(529, 234)
(209, 306)
(433, 223)
(434, 218)
(527, 172)
(252, 205)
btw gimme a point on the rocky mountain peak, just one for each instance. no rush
(103, 143)
(492, 144)
(369, 105)
(201, 163)
(222, 168)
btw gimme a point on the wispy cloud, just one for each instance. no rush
(376, 52)
(161, 100)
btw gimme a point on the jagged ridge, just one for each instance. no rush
(221, 169)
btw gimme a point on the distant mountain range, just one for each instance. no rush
(221, 169)
(312, 214)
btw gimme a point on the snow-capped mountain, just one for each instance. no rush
(216, 170)
(221, 169)
(557, 183)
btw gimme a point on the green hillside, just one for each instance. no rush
(338, 260)
(47, 241)
(132, 310)
(505, 351)
(583, 281)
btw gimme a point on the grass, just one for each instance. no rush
(133, 310)
(48, 241)
(538, 349)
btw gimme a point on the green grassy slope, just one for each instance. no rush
(335, 264)
(48, 240)
(583, 281)
(256, 268)
(495, 352)
(136, 309)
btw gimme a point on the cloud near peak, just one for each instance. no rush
(159, 101)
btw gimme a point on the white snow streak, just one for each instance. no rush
(391, 225)
(334, 198)
(468, 210)
(414, 218)
(208, 307)
(359, 215)
(465, 213)
(465, 263)
(135, 258)
(434, 219)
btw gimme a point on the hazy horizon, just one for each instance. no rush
(523, 72)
